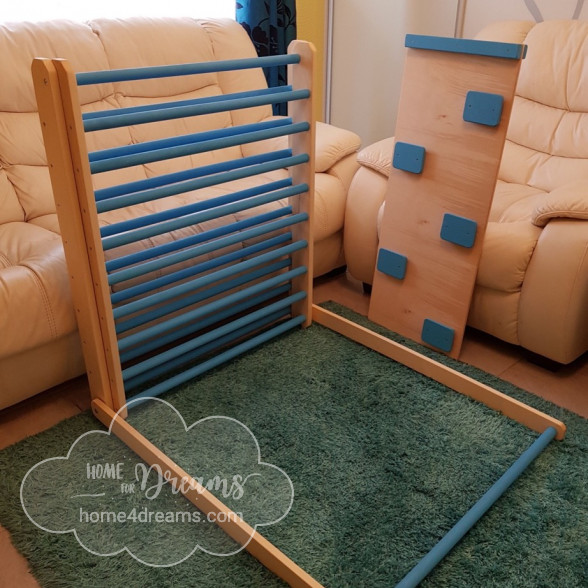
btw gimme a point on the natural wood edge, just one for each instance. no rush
(514, 409)
(245, 535)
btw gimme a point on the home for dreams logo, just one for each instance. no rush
(112, 501)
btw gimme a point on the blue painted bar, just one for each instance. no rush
(172, 307)
(408, 157)
(208, 321)
(198, 268)
(188, 174)
(189, 287)
(483, 108)
(467, 46)
(159, 329)
(136, 148)
(171, 246)
(184, 69)
(392, 263)
(193, 252)
(162, 105)
(459, 230)
(232, 139)
(219, 359)
(116, 120)
(165, 356)
(461, 528)
(203, 350)
(198, 184)
(246, 201)
(437, 335)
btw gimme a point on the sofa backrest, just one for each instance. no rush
(25, 187)
(547, 139)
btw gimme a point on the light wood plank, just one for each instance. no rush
(259, 547)
(514, 409)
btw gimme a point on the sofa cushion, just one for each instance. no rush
(34, 288)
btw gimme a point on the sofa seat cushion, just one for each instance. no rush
(35, 300)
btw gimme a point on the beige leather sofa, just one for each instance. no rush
(39, 345)
(532, 283)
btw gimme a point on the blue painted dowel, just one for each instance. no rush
(199, 268)
(247, 199)
(158, 329)
(203, 350)
(445, 545)
(171, 246)
(192, 285)
(171, 213)
(193, 101)
(196, 184)
(193, 252)
(183, 69)
(219, 359)
(179, 350)
(206, 322)
(189, 174)
(179, 140)
(205, 294)
(116, 120)
(198, 146)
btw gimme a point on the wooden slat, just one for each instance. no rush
(514, 409)
(259, 547)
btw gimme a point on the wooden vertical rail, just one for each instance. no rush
(87, 207)
(300, 77)
(65, 190)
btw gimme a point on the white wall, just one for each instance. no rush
(368, 58)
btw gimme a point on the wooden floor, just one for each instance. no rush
(567, 387)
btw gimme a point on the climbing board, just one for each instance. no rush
(453, 115)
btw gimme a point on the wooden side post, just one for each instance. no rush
(300, 77)
(80, 247)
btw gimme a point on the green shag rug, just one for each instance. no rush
(382, 460)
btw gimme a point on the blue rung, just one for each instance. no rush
(232, 139)
(193, 252)
(188, 287)
(189, 174)
(198, 184)
(191, 328)
(116, 120)
(219, 359)
(184, 69)
(163, 105)
(450, 540)
(219, 343)
(171, 246)
(180, 140)
(198, 268)
(158, 329)
(175, 352)
(246, 200)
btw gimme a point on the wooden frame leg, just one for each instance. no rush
(518, 411)
(259, 547)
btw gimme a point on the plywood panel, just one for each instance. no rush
(458, 177)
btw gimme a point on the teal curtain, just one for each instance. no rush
(271, 25)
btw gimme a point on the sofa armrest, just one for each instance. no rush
(568, 201)
(378, 156)
(332, 145)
